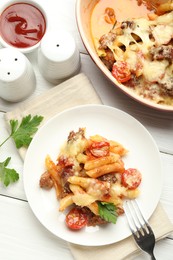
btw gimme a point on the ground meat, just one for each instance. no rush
(45, 181)
(65, 174)
(93, 219)
(109, 59)
(73, 136)
(120, 210)
(111, 178)
(151, 5)
(128, 24)
(65, 161)
(134, 82)
(106, 39)
(166, 88)
(162, 53)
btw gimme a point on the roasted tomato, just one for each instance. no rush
(121, 71)
(110, 15)
(99, 149)
(76, 219)
(131, 178)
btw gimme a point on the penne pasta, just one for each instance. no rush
(91, 164)
(132, 194)
(79, 182)
(88, 175)
(91, 185)
(105, 169)
(96, 188)
(83, 200)
(80, 197)
(117, 148)
(76, 189)
(65, 202)
(94, 208)
(82, 158)
(53, 170)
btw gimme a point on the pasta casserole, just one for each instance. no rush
(138, 51)
(90, 179)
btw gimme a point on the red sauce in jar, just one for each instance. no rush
(22, 25)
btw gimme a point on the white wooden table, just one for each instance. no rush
(21, 234)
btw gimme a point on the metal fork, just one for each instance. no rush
(140, 228)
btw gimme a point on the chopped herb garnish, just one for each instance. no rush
(107, 211)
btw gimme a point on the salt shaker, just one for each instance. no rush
(17, 78)
(58, 56)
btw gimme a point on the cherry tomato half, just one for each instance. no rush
(131, 178)
(99, 149)
(76, 219)
(121, 71)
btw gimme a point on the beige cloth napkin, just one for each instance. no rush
(78, 91)
(72, 92)
(127, 248)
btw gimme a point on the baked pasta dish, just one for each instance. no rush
(90, 179)
(137, 51)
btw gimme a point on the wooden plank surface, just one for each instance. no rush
(21, 234)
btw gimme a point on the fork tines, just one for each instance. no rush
(140, 228)
(138, 225)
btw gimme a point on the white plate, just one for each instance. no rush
(112, 124)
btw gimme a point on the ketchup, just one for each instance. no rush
(22, 25)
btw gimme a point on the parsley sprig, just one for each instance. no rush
(107, 211)
(7, 175)
(22, 134)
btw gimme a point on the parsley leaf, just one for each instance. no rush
(7, 175)
(107, 211)
(22, 134)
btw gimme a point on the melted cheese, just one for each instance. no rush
(130, 37)
(73, 148)
(131, 59)
(133, 43)
(83, 199)
(161, 29)
(162, 34)
(165, 18)
(117, 190)
(98, 189)
(154, 70)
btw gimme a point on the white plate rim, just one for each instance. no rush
(91, 241)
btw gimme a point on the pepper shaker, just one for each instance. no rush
(17, 78)
(58, 56)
